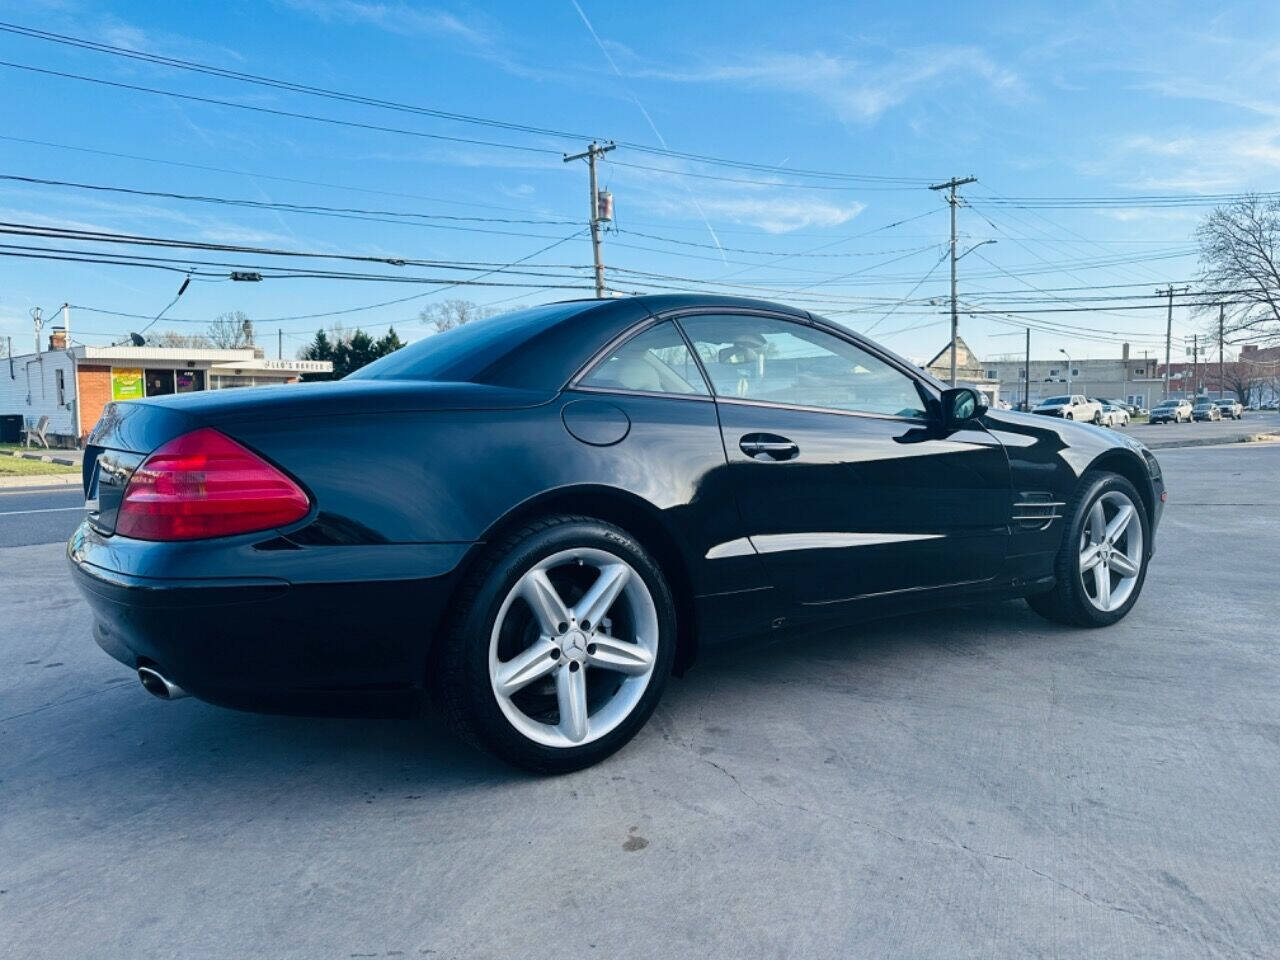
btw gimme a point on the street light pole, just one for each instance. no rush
(950, 186)
(1062, 350)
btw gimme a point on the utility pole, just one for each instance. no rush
(1222, 381)
(1195, 364)
(950, 186)
(1168, 332)
(279, 343)
(39, 323)
(1026, 374)
(66, 324)
(593, 151)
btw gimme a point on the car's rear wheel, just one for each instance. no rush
(561, 647)
(1102, 563)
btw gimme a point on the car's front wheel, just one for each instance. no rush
(561, 645)
(1102, 562)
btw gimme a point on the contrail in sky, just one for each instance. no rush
(648, 119)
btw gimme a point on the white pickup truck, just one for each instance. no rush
(1073, 407)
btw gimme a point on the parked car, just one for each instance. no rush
(1114, 415)
(1206, 410)
(1073, 407)
(540, 516)
(1126, 407)
(1231, 407)
(1171, 411)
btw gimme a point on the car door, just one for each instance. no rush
(847, 488)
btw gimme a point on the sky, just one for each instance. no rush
(1102, 100)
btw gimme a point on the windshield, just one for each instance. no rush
(1055, 400)
(1167, 405)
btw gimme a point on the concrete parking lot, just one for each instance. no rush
(974, 783)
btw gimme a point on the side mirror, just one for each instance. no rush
(961, 405)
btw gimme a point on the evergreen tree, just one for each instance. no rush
(348, 351)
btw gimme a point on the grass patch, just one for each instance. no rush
(11, 466)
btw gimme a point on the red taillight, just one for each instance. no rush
(204, 484)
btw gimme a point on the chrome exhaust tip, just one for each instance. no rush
(158, 685)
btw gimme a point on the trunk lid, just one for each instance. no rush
(128, 432)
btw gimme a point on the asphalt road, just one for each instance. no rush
(975, 783)
(35, 515)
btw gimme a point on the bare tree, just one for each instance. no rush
(172, 338)
(1241, 382)
(448, 314)
(231, 330)
(1240, 252)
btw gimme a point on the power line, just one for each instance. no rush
(259, 176)
(347, 97)
(381, 216)
(797, 185)
(270, 111)
(763, 253)
(360, 309)
(919, 284)
(176, 266)
(99, 236)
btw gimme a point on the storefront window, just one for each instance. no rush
(190, 380)
(225, 381)
(159, 382)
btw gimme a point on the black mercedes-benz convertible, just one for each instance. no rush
(537, 518)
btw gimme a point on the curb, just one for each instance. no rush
(46, 458)
(55, 480)
(1212, 441)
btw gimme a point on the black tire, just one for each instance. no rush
(461, 678)
(1097, 419)
(1067, 603)
(1068, 416)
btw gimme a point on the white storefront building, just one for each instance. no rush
(71, 386)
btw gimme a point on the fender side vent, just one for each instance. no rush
(1034, 510)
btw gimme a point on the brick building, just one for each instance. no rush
(1252, 378)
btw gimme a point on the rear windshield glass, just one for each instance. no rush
(465, 352)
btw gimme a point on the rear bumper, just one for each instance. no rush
(353, 647)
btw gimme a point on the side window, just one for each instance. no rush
(655, 361)
(759, 358)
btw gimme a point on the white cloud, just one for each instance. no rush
(781, 214)
(857, 90)
(395, 18)
(1211, 161)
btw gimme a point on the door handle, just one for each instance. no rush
(768, 446)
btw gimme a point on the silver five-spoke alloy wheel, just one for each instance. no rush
(1111, 551)
(586, 629)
